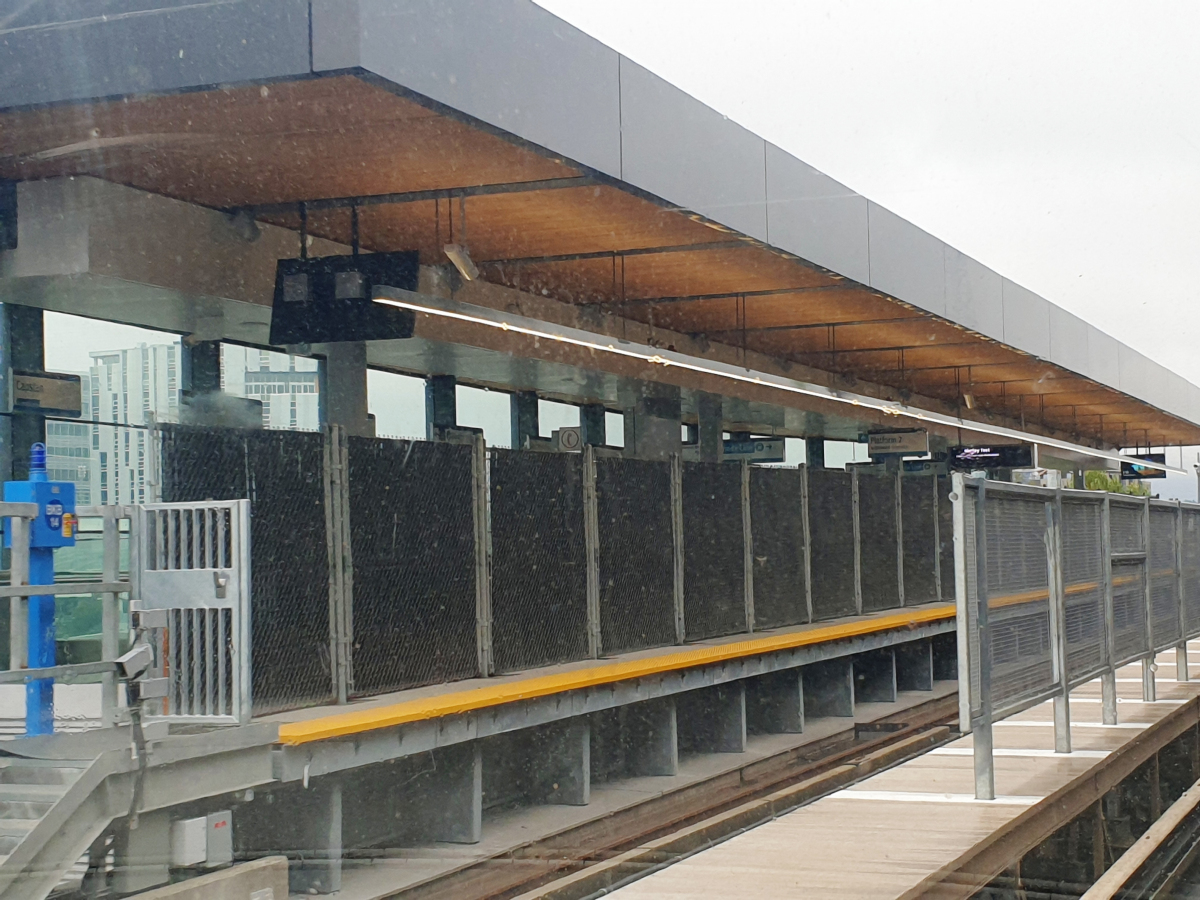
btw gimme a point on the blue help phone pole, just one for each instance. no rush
(54, 527)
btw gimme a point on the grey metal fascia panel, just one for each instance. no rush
(815, 217)
(973, 295)
(1135, 375)
(1103, 363)
(675, 147)
(906, 262)
(132, 50)
(1068, 340)
(1026, 320)
(508, 63)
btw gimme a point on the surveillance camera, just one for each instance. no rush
(135, 663)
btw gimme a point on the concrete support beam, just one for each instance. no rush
(875, 677)
(445, 803)
(303, 823)
(524, 416)
(141, 856)
(814, 452)
(591, 423)
(775, 703)
(710, 431)
(914, 666)
(945, 657)
(441, 404)
(344, 398)
(652, 428)
(829, 688)
(713, 720)
(567, 772)
(651, 737)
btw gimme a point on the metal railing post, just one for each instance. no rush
(961, 601)
(591, 541)
(985, 776)
(678, 544)
(1181, 654)
(900, 532)
(110, 615)
(858, 593)
(18, 621)
(1148, 666)
(1108, 680)
(341, 567)
(1058, 616)
(808, 601)
(481, 517)
(747, 549)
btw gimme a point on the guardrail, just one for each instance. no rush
(1058, 587)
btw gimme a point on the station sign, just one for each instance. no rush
(992, 456)
(49, 393)
(763, 450)
(1131, 471)
(900, 443)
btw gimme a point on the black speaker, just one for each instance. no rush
(327, 299)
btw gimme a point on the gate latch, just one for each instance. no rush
(220, 581)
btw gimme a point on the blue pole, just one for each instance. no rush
(39, 694)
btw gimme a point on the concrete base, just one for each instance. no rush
(713, 720)
(945, 657)
(775, 703)
(141, 855)
(829, 688)
(914, 666)
(650, 732)
(262, 879)
(875, 677)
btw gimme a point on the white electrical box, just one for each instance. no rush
(205, 841)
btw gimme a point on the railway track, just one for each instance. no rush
(594, 858)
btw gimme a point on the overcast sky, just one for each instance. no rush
(1058, 143)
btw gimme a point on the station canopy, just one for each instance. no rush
(418, 174)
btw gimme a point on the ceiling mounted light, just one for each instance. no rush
(462, 261)
(969, 401)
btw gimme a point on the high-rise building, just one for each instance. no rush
(104, 453)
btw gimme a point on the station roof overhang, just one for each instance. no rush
(571, 174)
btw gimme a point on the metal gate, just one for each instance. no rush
(193, 565)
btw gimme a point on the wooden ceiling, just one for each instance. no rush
(545, 226)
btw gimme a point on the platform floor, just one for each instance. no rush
(885, 835)
(507, 830)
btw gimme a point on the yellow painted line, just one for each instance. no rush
(359, 721)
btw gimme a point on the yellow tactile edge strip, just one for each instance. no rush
(359, 721)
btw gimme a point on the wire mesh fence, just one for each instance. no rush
(280, 472)
(714, 586)
(539, 575)
(413, 551)
(879, 557)
(777, 531)
(831, 517)
(1058, 587)
(636, 554)
(920, 533)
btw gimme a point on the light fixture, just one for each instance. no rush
(502, 321)
(969, 401)
(462, 261)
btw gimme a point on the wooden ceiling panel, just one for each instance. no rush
(257, 145)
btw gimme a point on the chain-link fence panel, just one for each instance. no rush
(1083, 575)
(1129, 611)
(539, 567)
(1018, 589)
(714, 582)
(918, 510)
(1164, 584)
(412, 537)
(878, 547)
(831, 530)
(282, 474)
(1191, 571)
(636, 554)
(777, 532)
(945, 514)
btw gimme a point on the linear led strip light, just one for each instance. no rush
(491, 318)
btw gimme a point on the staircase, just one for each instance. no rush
(28, 789)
